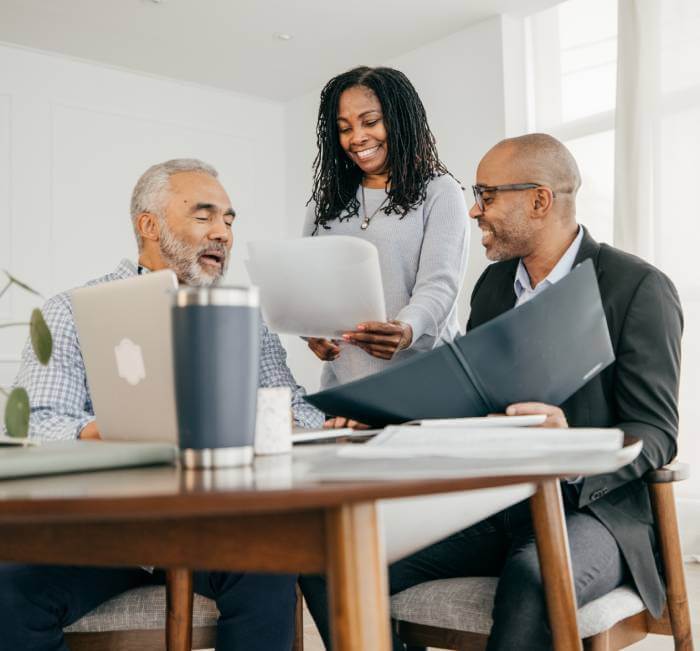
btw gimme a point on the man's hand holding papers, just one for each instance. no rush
(555, 416)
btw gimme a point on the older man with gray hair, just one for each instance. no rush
(182, 218)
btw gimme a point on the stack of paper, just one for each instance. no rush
(528, 420)
(403, 442)
(410, 452)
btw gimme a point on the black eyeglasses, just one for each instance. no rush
(513, 187)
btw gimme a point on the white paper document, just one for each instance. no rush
(528, 420)
(428, 453)
(405, 442)
(317, 286)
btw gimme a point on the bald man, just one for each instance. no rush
(525, 205)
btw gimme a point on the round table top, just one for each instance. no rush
(272, 483)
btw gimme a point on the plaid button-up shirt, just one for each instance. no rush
(58, 393)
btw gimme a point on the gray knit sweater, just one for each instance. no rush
(422, 259)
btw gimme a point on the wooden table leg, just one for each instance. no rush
(555, 564)
(357, 579)
(179, 596)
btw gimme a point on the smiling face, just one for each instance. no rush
(362, 132)
(195, 235)
(507, 229)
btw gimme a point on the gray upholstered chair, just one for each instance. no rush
(135, 621)
(456, 613)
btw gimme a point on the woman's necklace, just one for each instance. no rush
(367, 220)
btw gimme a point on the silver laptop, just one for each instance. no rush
(125, 338)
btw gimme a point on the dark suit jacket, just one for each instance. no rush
(637, 393)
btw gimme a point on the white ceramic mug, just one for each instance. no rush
(273, 425)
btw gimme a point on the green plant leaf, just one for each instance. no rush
(17, 413)
(24, 286)
(40, 336)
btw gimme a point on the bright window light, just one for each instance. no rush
(571, 62)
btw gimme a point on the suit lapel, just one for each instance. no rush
(589, 249)
(495, 295)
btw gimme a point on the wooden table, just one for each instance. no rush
(249, 519)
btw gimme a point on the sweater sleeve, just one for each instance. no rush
(441, 265)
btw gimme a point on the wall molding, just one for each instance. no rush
(234, 154)
(6, 308)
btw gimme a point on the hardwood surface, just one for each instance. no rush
(669, 544)
(269, 542)
(270, 485)
(178, 598)
(270, 517)
(357, 579)
(555, 565)
(148, 640)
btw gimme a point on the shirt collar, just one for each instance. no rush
(126, 269)
(563, 267)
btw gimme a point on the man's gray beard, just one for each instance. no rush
(183, 259)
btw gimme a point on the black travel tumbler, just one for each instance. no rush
(216, 342)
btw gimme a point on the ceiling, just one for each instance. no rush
(230, 43)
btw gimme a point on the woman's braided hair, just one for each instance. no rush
(412, 154)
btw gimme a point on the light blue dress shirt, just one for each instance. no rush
(524, 291)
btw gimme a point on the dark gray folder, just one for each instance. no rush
(543, 351)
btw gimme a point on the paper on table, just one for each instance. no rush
(527, 420)
(317, 286)
(347, 468)
(402, 442)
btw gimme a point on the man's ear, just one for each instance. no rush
(542, 204)
(148, 226)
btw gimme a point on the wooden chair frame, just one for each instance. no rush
(675, 620)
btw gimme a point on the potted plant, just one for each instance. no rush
(17, 406)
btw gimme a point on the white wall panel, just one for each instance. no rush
(5, 205)
(90, 209)
(82, 134)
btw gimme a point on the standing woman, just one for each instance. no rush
(377, 176)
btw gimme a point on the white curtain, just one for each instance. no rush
(657, 183)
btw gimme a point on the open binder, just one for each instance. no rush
(543, 351)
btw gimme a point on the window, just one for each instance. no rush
(571, 60)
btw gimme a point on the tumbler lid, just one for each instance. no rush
(218, 295)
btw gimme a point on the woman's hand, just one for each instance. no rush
(381, 340)
(326, 350)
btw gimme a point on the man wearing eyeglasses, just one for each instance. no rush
(525, 205)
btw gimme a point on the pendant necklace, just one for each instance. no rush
(367, 220)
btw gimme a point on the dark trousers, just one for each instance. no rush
(37, 602)
(504, 546)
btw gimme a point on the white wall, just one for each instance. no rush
(75, 136)
(461, 81)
